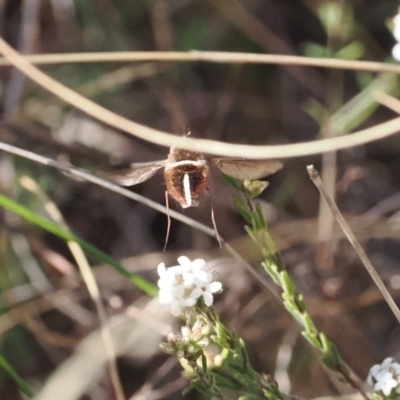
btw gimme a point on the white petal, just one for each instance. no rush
(208, 299)
(202, 278)
(184, 261)
(185, 330)
(164, 297)
(214, 287)
(196, 293)
(396, 20)
(396, 52)
(396, 367)
(387, 362)
(165, 281)
(177, 291)
(188, 278)
(375, 369)
(190, 302)
(198, 264)
(177, 270)
(161, 269)
(396, 32)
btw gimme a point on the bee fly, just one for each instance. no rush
(186, 175)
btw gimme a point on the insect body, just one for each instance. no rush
(187, 174)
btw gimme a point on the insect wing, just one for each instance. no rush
(135, 174)
(247, 169)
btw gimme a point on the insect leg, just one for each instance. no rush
(213, 220)
(169, 220)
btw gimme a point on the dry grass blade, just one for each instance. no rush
(207, 56)
(207, 146)
(314, 176)
(89, 280)
(387, 100)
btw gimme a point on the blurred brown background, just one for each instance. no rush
(46, 311)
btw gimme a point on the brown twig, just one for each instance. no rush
(314, 176)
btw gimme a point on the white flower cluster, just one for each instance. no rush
(182, 285)
(385, 377)
(396, 34)
(190, 340)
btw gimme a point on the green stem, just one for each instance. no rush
(292, 299)
(17, 378)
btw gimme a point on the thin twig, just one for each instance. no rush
(81, 175)
(207, 56)
(314, 176)
(88, 277)
(207, 146)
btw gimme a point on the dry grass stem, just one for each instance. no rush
(387, 100)
(313, 173)
(207, 56)
(207, 146)
(88, 277)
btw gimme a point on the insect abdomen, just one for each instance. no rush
(186, 183)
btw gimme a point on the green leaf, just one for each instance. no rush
(315, 110)
(361, 106)
(365, 79)
(316, 50)
(204, 362)
(243, 209)
(200, 388)
(287, 284)
(311, 339)
(352, 51)
(261, 219)
(235, 183)
(271, 270)
(330, 14)
(56, 230)
(16, 377)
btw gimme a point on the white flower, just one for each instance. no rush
(396, 52)
(385, 383)
(396, 34)
(385, 377)
(182, 285)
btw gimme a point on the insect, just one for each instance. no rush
(186, 175)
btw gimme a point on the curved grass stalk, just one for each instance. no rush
(364, 136)
(88, 277)
(207, 56)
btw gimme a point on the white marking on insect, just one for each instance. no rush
(197, 163)
(187, 191)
